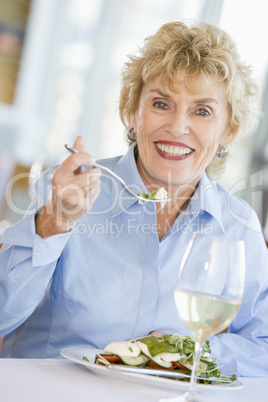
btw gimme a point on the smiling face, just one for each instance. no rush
(179, 131)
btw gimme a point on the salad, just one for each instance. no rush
(168, 352)
(160, 195)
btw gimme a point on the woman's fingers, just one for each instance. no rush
(225, 331)
(86, 178)
(73, 191)
(156, 333)
(71, 167)
(80, 144)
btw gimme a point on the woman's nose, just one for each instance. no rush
(179, 123)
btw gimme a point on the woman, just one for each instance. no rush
(89, 264)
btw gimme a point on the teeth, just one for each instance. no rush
(173, 151)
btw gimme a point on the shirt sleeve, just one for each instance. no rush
(27, 264)
(244, 350)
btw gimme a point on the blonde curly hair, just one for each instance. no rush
(201, 50)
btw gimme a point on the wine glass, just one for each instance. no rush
(208, 293)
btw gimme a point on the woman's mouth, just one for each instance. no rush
(173, 150)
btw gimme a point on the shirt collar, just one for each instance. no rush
(206, 198)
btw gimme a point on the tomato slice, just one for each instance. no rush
(178, 365)
(111, 358)
(156, 366)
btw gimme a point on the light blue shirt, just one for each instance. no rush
(111, 279)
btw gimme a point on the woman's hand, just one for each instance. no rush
(225, 331)
(156, 333)
(73, 193)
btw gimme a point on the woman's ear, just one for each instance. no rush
(229, 136)
(133, 122)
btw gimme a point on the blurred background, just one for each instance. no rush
(60, 66)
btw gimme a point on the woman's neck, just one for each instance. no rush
(179, 195)
(167, 216)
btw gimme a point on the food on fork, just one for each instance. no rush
(160, 194)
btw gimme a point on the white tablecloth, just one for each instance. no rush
(51, 380)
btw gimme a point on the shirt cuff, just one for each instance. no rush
(44, 250)
(48, 249)
(21, 233)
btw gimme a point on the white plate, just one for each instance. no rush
(76, 355)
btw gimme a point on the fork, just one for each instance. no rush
(74, 151)
(160, 373)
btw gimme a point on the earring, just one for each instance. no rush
(131, 135)
(222, 151)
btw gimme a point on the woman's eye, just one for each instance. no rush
(203, 112)
(160, 105)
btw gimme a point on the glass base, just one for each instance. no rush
(187, 397)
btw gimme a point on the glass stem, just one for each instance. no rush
(197, 356)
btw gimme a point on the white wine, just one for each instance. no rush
(205, 314)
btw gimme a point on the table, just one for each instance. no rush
(60, 380)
